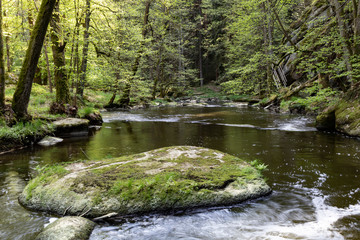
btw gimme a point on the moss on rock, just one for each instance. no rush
(70, 127)
(159, 180)
(68, 228)
(347, 116)
(325, 121)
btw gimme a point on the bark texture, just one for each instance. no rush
(81, 85)
(58, 48)
(23, 89)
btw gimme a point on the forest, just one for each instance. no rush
(139, 51)
(179, 119)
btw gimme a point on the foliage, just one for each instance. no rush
(317, 98)
(86, 111)
(22, 131)
(235, 43)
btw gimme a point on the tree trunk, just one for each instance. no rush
(31, 21)
(23, 89)
(158, 68)
(200, 39)
(48, 68)
(125, 98)
(267, 32)
(81, 86)
(356, 13)
(7, 45)
(8, 58)
(286, 34)
(58, 48)
(74, 62)
(2, 66)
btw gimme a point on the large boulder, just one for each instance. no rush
(344, 117)
(165, 179)
(67, 228)
(347, 117)
(71, 127)
(325, 121)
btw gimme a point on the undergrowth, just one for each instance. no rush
(21, 131)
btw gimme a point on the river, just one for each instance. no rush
(314, 175)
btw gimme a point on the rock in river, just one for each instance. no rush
(71, 127)
(67, 228)
(50, 141)
(159, 180)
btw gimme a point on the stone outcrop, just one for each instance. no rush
(67, 228)
(161, 180)
(344, 118)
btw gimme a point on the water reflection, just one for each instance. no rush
(314, 175)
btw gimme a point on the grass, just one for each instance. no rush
(41, 98)
(86, 111)
(21, 131)
(46, 175)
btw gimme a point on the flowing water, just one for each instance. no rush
(314, 175)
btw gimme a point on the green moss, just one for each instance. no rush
(47, 174)
(162, 179)
(134, 180)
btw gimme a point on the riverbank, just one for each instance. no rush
(15, 135)
(23, 134)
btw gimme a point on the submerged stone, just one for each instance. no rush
(159, 180)
(50, 141)
(67, 228)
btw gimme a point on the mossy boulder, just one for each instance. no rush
(325, 121)
(347, 116)
(343, 117)
(68, 228)
(71, 127)
(160, 180)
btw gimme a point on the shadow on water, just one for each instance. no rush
(314, 175)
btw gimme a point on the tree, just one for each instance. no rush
(81, 84)
(125, 99)
(58, 47)
(2, 66)
(23, 89)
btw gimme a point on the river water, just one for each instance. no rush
(314, 175)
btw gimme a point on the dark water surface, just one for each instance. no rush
(315, 176)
